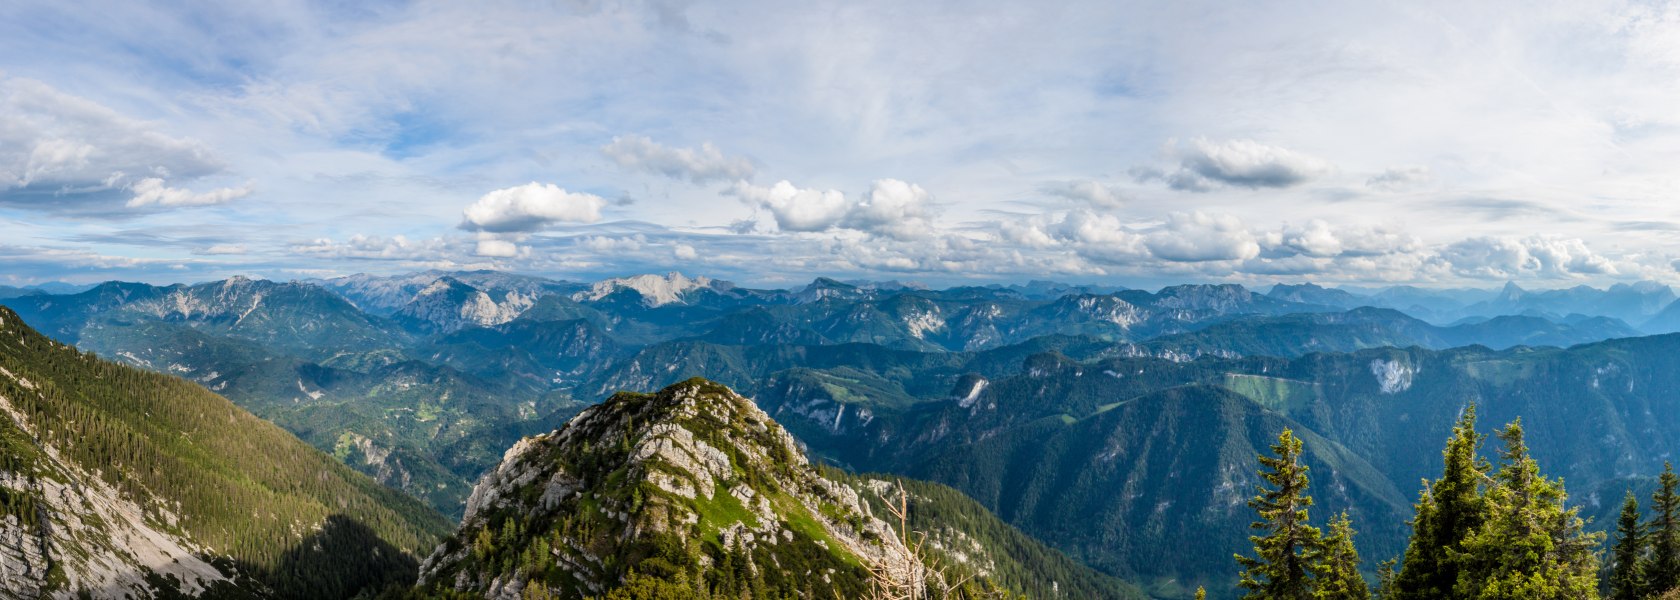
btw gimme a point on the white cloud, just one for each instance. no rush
(496, 248)
(890, 208)
(893, 208)
(796, 209)
(1026, 233)
(608, 245)
(684, 252)
(1205, 165)
(1201, 237)
(151, 190)
(224, 249)
(374, 247)
(1315, 239)
(55, 142)
(1086, 191)
(1511, 257)
(698, 165)
(1567, 109)
(531, 207)
(1399, 178)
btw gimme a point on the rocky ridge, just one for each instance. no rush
(695, 477)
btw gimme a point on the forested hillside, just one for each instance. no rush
(169, 473)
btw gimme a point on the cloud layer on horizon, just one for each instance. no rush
(1526, 141)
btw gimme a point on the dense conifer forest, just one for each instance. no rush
(258, 500)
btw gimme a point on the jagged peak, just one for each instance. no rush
(692, 461)
(656, 290)
(445, 284)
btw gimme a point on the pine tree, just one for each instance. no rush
(1627, 580)
(1385, 581)
(1279, 570)
(1336, 573)
(1530, 547)
(1662, 572)
(1447, 511)
(1201, 593)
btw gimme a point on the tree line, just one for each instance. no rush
(1482, 531)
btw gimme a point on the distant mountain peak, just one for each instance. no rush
(450, 304)
(1511, 291)
(656, 290)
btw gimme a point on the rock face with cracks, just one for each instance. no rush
(693, 485)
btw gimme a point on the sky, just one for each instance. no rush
(1133, 143)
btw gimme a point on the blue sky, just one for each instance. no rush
(1132, 143)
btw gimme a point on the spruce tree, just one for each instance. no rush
(1280, 568)
(1447, 510)
(1201, 593)
(1336, 574)
(1530, 547)
(1662, 572)
(1385, 581)
(1627, 579)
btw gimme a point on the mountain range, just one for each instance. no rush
(1140, 410)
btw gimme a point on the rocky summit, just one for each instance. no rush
(693, 484)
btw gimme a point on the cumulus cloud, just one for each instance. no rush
(1510, 257)
(530, 207)
(1085, 191)
(1100, 237)
(1204, 165)
(1027, 233)
(608, 245)
(890, 208)
(1399, 178)
(1088, 235)
(495, 248)
(1202, 237)
(1315, 239)
(151, 190)
(698, 165)
(795, 209)
(684, 252)
(1319, 239)
(61, 147)
(894, 208)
